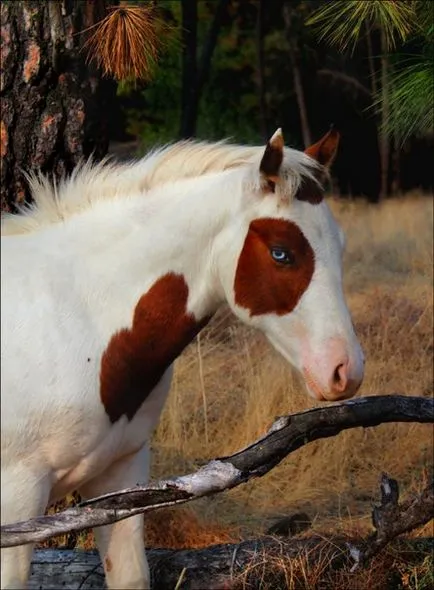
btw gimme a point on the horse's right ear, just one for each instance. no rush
(272, 159)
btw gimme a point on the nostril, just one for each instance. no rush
(340, 377)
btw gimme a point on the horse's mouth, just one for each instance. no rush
(313, 386)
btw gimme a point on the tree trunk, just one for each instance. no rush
(385, 113)
(372, 72)
(395, 187)
(260, 71)
(54, 107)
(194, 77)
(298, 84)
(189, 66)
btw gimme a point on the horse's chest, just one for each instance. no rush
(93, 449)
(137, 357)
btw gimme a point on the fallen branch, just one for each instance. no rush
(222, 566)
(214, 568)
(391, 519)
(287, 434)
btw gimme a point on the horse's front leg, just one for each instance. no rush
(121, 545)
(25, 490)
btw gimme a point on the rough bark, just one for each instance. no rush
(287, 434)
(54, 107)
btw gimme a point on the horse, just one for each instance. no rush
(112, 271)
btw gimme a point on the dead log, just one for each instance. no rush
(222, 566)
(225, 566)
(214, 568)
(287, 434)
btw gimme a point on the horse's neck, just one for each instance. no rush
(126, 245)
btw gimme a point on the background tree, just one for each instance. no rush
(404, 101)
(411, 85)
(194, 74)
(54, 108)
(292, 21)
(230, 68)
(260, 77)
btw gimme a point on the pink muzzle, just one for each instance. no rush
(336, 372)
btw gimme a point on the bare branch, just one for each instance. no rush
(287, 434)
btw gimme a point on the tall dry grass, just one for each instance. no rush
(229, 384)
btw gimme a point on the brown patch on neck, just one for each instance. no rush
(310, 191)
(262, 285)
(137, 357)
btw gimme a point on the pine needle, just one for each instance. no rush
(340, 22)
(126, 43)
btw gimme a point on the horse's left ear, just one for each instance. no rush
(272, 159)
(324, 150)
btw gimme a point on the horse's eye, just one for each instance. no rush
(282, 256)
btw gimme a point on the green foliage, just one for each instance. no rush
(222, 113)
(341, 22)
(229, 105)
(157, 119)
(410, 88)
(411, 101)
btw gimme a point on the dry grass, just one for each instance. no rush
(229, 385)
(245, 384)
(399, 566)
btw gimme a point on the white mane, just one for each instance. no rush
(91, 182)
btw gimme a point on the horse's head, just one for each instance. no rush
(282, 270)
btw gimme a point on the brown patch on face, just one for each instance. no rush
(108, 563)
(263, 285)
(137, 357)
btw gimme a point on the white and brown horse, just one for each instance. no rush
(112, 272)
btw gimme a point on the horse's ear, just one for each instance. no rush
(324, 150)
(272, 159)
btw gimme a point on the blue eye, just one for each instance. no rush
(282, 256)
